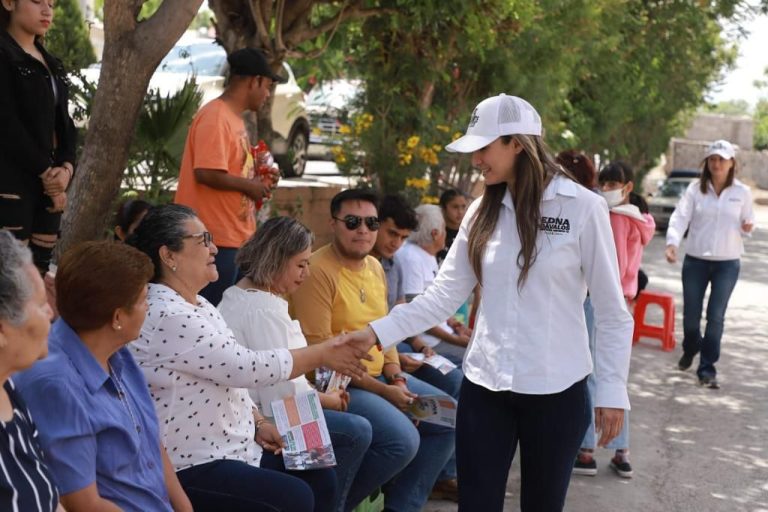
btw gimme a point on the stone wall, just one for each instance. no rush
(310, 203)
(738, 130)
(689, 154)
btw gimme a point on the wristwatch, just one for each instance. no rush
(399, 376)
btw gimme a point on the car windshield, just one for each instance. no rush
(335, 94)
(673, 188)
(201, 59)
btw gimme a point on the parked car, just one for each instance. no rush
(207, 61)
(330, 105)
(663, 203)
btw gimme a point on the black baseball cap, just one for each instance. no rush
(251, 62)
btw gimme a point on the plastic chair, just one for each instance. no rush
(664, 332)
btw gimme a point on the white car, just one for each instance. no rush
(207, 61)
(330, 105)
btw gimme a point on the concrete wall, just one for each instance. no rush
(689, 154)
(738, 130)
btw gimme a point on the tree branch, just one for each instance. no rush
(300, 34)
(172, 17)
(279, 45)
(261, 27)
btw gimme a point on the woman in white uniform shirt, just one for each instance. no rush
(716, 210)
(535, 241)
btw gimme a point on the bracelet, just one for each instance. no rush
(259, 423)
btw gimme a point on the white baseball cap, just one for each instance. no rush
(721, 147)
(494, 117)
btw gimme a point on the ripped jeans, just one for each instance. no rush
(24, 212)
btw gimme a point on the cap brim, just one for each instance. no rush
(470, 143)
(721, 153)
(278, 79)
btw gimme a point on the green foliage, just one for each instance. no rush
(760, 140)
(611, 77)
(159, 141)
(730, 107)
(656, 62)
(68, 38)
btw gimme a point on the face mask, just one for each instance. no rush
(613, 197)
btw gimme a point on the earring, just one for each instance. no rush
(173, 268)
(118, 327)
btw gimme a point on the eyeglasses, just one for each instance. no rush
(206, 236)
(353, 222)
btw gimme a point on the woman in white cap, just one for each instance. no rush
(717, 211)
(535, 242)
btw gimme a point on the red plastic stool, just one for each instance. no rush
(664, 332)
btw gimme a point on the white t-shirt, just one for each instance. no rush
(419, 270)
(198, 375)
(260, 321)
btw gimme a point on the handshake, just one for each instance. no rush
(344, 353)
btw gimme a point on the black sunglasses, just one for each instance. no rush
(206, 236)
(353, 222)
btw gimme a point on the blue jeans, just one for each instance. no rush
(351, 437)
(489, 426)
(620, 442)
(410, 457)
(697, 275)
(451, 384)
(228, 273)
(235, 486)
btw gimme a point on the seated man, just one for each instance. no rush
(345, 290)
(417, 259)
(398, 221)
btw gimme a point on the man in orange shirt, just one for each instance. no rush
(217, 176)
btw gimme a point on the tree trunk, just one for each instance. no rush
(132, 51)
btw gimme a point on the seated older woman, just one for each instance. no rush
(275, 262)
(25, 318)
(198, 376)
(97, 424)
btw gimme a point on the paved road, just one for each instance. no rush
(693, 449)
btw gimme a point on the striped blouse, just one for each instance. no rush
(25, 484)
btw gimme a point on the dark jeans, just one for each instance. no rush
(489, 426)
(228, 274)
(697, 275)
(351, 437)
(235, 486)
(451, 384)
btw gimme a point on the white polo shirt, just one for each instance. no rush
(534, 340)
(713, 222)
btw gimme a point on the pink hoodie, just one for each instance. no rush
(630, 234)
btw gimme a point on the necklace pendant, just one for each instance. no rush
(362, 295)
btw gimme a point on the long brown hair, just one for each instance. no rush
(534, 169)
(706, 176)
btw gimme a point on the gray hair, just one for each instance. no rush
(162, 226)
(15, 285)
(264, 256)
(430, 217)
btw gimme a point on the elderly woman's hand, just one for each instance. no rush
(269, 438)
(343, 353)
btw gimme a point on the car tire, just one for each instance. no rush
(293, 163)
